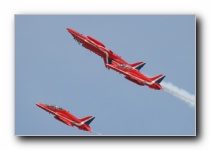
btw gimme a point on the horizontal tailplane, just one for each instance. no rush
(87, 120)
(138, 65)
(158, 78)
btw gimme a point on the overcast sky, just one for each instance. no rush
(51, 68)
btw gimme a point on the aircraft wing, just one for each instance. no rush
(117, 69)
(135, 80)
(64, 120)
(127, 75)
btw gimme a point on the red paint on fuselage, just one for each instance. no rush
(111, 59)
(65, 116)
(96, 47)
(134, 75)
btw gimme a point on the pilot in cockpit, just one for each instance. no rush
(55, 106)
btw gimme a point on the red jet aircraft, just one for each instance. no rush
(67, 118)
(99, 49)
(115, 62)
(137, 77)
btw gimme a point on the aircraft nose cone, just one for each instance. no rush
(39, 105)
(70, 30)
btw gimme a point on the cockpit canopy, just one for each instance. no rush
(125, 66)
(56, 107)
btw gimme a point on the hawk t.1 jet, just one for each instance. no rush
(67, 118)
(115, 62)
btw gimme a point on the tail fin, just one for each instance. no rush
(138, 65)
(87, 119)
(158, 78)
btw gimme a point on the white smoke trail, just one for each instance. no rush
(96, 132)
(178, 92)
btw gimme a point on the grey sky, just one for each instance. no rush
(50, 67)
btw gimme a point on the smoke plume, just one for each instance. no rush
(96, 132)
(179, 93)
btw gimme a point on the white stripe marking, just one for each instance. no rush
(73, 122)
(149, 83)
